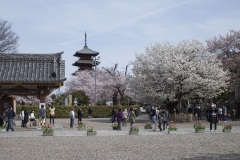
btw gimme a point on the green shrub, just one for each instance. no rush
(63, 111)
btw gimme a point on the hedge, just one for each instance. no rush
(63, 111)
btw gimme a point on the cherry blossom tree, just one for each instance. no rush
(111, 84)
(228, 50)
(172, 73)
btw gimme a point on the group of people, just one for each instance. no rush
(222, 113)
(159, 117)
(42, 113)
(121, 117)
(79, 115)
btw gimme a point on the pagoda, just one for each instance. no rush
(87, 58)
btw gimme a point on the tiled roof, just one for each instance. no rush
(28, 68)
(79, 62)
(86, 51)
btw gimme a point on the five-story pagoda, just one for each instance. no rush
(87, 58)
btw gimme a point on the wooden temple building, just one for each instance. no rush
(87, 58)
(29, 74)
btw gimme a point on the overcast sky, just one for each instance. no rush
(118, 29)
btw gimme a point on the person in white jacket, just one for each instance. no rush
(32, 118)
(124, 119)
(72, 116)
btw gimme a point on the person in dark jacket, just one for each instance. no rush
(213, 117)
(208, 113)
(119, 118)
(198, 110)
(80, 115)
(113, 115)
(10, 114)
(160, 119)
(26, 118)
(165, 118)
(90, 112)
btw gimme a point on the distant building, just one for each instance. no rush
(29, 74)
(87, 58)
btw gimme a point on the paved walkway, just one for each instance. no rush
(103, 128)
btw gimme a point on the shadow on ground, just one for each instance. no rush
(215, 157)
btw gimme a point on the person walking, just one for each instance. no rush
(160, 119)
(52, 114)
(213, 118)
(80, 115)
(72, 116)
(124, 119)
(154, 118)
(41, 115)
(132, 117)
(10, 115)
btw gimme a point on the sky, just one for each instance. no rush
(117, 29)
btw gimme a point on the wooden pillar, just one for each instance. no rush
(14, 105)
(42, 100)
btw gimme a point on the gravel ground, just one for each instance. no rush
(183, 147)
(129, 147)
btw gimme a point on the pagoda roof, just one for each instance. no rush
(86, 51)
(31, 68)
(79, 62)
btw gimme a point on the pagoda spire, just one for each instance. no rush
(85, 39)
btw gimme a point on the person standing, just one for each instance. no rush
(165, 118)
(224, 110)
(52, 114)
(199, 117)
(42, 115)
(10, 115)
(90, 112)
(32, 118)
(208, 112)
(119, 118)
(22, 117)
(213, 118)
(113, 115)
(72, 116)
(124, 119)
(26, 118)
(220, 113)
(233, 113)
(80, 115)
(132, 117)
